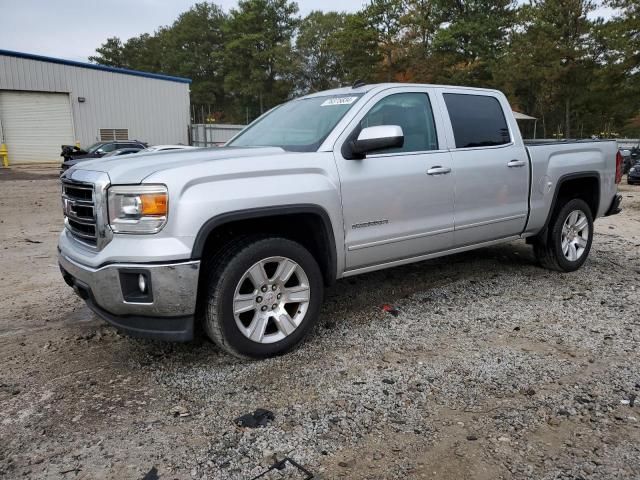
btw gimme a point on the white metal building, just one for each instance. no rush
(48, 102)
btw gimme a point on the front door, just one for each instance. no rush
(398, 203)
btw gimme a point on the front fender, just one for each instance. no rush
(206, 196)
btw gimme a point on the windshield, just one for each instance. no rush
(94, 147)
(299, 125)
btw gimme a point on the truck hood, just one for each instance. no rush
(131, 169)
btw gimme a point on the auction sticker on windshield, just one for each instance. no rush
(338, 101)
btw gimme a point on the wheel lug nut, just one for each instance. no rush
(279, 296)
(273, 287)
(274, 306)
(264, 288)
(258, 299)
(264, 308)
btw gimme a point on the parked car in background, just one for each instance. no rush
(633, 177)
(627, 160)
(122, 151)
(99, 149)
(330, 185)
(164, 148)
(67, 164)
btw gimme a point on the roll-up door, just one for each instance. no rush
(35, 125)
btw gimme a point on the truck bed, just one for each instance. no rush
(553, 160)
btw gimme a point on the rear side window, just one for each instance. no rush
(477, 120)
(108, 147)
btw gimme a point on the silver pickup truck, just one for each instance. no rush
(243, 239)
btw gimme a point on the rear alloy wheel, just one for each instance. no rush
(569, 238)
(575, 235)
(263, 296)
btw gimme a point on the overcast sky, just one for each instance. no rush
(72, 29)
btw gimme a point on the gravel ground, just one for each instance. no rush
(492, 368)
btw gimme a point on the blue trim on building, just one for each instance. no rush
(92, 66)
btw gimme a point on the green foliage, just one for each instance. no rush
(193, 47)
(110, 53)
(259, 54)
(358, 50)
(578, 74)
(384, 17)
(318, 51)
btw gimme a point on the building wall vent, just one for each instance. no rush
(111, 134)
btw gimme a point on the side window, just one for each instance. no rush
(412, 112)
(108, 147)
(477, 120)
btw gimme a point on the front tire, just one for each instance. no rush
(569, 237)
(263, 296)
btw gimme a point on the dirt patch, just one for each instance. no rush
(41, 173)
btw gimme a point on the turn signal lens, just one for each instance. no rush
(154, 204)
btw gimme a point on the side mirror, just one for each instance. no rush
(373, 139)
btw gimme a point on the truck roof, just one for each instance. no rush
(383, 86)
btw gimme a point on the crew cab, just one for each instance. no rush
(243, 239)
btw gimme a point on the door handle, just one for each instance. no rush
(516, 163)
(438, 170)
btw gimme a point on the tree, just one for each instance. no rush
(579, 75)
(421, 22)
(110, 53)
(259, 57)
(385, 18)
(194, 47)
(549, 62)
(621, 61)
(357, 47)
(471, 39)
(319, 64)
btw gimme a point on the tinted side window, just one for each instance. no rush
(477, 121)
(412, 112)
(108, 147)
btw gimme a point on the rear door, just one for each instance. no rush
(490, 167)
(393, 209)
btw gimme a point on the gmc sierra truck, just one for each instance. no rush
(243, 239)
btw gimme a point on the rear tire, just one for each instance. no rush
(263, 295)
(570, 234)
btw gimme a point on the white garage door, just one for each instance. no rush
(35, 125)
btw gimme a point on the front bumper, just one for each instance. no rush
(168, 315)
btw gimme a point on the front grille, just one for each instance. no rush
(78, 203)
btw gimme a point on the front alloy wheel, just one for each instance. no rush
(263, 294)
(271, 299)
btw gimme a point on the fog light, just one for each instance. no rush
(142, 283)
(136, 285)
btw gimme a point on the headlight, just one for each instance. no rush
(138, 208)
(633, 169)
